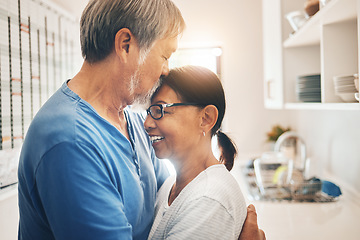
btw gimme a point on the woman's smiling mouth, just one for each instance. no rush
(155, 139)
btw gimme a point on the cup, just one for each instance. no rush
(323, 3)
(296, 19)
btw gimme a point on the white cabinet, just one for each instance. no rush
(9, 213)
(272, 47)
(327, 44)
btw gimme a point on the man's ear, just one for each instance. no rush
(124, 43)
(209, 117)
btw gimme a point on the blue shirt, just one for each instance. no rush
(80, 178)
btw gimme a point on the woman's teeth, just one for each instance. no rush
(156, 138)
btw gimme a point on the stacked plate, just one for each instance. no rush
(345, 87)
(308, 88)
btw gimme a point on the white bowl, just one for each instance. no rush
(345, 76)
(345, 89)
(344, 82)
(347, 97)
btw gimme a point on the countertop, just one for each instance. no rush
(306, 220)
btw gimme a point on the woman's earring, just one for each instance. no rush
(204, 133)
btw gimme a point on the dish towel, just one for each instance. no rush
(330, 188)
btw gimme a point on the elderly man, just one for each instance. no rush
(87, 169)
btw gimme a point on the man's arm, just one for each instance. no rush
(78, 198)
(250, 230)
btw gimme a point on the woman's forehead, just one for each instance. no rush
(165, 94)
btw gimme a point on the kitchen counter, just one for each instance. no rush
(307, 220)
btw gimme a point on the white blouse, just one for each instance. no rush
(211, 206)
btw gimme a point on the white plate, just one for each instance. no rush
(352, 90)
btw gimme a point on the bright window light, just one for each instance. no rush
(205, 57)
(216, 51)
(170, 166)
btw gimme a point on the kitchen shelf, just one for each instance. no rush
(310, 33)
(322, 106)
(327, 44)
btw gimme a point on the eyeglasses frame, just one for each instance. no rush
(166, 105)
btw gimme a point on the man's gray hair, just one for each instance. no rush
(148, 21)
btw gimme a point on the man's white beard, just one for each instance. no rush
(134, 83)
(141, 101)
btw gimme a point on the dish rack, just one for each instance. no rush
(309, 191)
(305, 190)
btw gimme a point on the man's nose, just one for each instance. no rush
(165, 69)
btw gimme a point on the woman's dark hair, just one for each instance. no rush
(195, 84)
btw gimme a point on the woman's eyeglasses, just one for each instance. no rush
(156, 111)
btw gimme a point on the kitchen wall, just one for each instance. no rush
(333, 140)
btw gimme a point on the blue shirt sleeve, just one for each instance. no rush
(79, 196)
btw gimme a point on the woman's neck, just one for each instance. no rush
(188, 169)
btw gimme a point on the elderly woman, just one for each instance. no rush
(203, 200)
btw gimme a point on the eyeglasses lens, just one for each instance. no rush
(156, 111)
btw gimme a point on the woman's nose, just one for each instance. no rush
(149, 123)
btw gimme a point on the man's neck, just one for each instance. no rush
(95, 84)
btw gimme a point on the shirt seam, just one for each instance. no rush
(215, 200)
